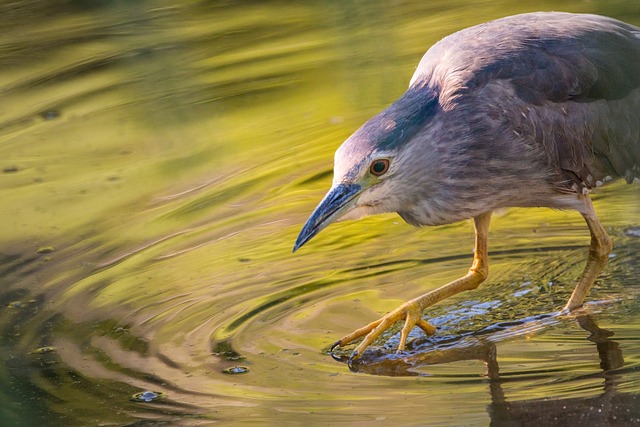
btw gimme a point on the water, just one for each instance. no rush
(158, 160)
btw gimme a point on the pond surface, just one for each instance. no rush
(157, 160)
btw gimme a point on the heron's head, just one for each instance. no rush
(372, 168)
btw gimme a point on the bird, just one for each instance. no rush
(530, 110)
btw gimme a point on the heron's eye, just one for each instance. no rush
(379, 167)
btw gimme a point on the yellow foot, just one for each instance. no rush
(410, 312)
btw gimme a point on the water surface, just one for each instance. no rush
(157, 162)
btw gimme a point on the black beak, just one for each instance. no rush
(337, 200)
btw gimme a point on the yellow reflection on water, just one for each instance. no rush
(156, 163)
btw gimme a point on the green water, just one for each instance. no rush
(157, 160)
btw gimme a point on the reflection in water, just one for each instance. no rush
(610, 406)
(156, 161)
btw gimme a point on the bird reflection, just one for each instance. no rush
(610, 407)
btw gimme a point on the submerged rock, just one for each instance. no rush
(147, 396)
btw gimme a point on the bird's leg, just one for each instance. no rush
(599, 250)
(411, 311)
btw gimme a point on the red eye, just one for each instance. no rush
(379, 167)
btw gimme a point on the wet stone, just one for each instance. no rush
(44, 350)
(633, 232)
(147, 396)
(50, 114)
(236, 370)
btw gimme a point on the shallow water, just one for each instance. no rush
(157, 162)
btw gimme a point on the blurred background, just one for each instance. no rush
(157, 160)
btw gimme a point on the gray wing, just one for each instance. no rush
(588, 65)
(581, 58)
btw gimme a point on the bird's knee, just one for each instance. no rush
(601, 248)
(477, 275)
(481, 274)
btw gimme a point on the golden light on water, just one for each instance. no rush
(157, 161)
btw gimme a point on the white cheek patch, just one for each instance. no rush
(376, 200)
(358, 212)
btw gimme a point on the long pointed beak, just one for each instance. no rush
(339, 199)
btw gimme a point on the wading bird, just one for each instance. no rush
(532, 110)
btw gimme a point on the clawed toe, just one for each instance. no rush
(409, 312)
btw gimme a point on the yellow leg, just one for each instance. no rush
(411, 311)
(599, 250)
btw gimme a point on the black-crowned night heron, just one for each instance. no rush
(530, 110)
